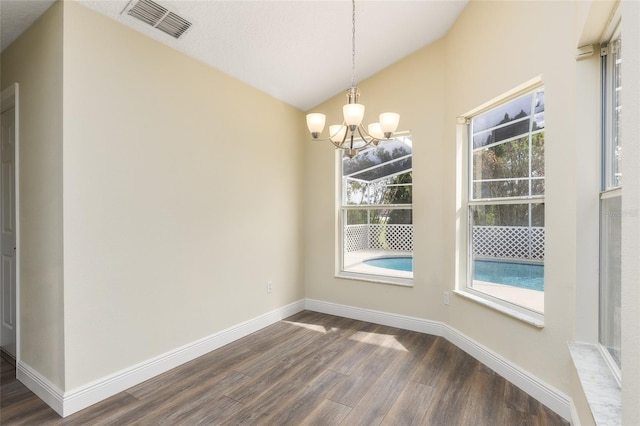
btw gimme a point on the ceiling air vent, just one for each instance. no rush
(158, 17)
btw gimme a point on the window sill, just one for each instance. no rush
(529, 319)
(598, 383)
(378, 279)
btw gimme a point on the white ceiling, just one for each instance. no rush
(296, 51)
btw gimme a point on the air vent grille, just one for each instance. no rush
(158, 17)
(173, 25)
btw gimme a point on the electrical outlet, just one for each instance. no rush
(446, 297)
(269, 286)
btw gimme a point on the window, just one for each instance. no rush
(376, 213)
(611, 203)
(505, 203)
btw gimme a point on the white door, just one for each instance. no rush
(8, 234)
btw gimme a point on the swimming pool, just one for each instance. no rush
(398, 263)
(523, 275)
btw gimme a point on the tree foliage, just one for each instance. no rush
(379, 186)
(509, 169)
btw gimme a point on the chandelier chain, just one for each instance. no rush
(353, 44)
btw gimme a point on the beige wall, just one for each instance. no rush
(181, 198)
(35, 62)
(492, 48)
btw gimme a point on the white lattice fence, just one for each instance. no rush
(382, 237)
(391, 237)
(511, 242)
(515, 242)
(356, 237)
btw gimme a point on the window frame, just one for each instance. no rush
(465, 201)
(608, 189)
(342, 211)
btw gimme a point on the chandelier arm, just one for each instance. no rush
(363, 137)
(339, 145)
(362, 130)
(322, 140)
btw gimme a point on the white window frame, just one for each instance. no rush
(342, 210)
(464, 232)
(609, 189)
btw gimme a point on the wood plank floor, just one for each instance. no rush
(310, 369)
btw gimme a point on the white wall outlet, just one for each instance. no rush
(446, 297)
(269, 286)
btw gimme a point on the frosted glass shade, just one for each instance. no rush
(315, 122)
(337, 132)
(375, 130)
(353, 114)
(389, 122)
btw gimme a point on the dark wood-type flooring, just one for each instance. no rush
(310, 369)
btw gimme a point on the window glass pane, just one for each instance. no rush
(374, 234)
(392, 190)
(379, 162)
(501, 189)
(382, 170)
(514, 168)
(538, 121)
(537, 214)
(506, 238)
(500, 215)
(611, 206)
(613, 140)
(617, 110)
(501, 133)
(357, 217)
(507, 252)
(506, 160)
(610, 276)
(537, 186)
(372, 181)
(505, 113)
(537, 155)
(539, 102)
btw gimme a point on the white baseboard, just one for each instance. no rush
(42, 387)
(377, 317)
(532, 385)
(77, 399)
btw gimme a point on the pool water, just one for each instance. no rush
(398, 263)
(523, 275)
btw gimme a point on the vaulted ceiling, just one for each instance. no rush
(296, 51)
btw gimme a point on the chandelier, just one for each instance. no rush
(351, 136)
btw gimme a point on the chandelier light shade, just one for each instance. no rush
(337, 132)
(353, 114)
(315, 123)
(389, 123)
(351, 135)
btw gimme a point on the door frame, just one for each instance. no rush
(9, 97)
